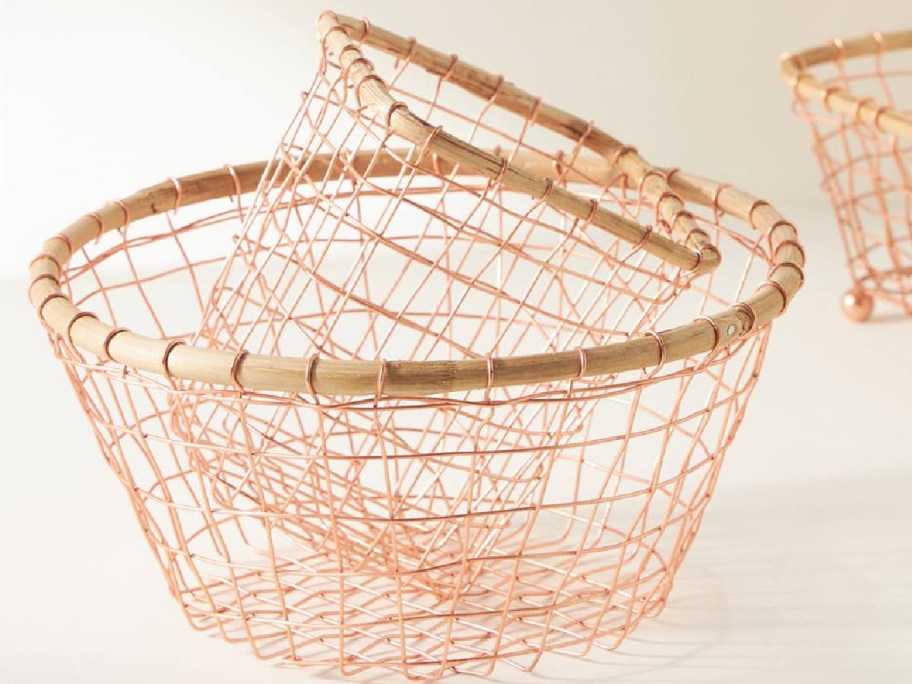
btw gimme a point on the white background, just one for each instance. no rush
(803, 572)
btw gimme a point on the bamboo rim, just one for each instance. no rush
(793, 68)
(242, 371)
(343, 36)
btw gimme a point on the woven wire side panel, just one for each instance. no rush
(423, 535)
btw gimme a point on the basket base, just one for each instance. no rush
(557, 599)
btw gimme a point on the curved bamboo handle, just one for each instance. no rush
(337, 35)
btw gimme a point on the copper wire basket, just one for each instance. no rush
(856, 95)
(498, 439)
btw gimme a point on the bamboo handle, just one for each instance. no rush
(370, 89)
(402, 378)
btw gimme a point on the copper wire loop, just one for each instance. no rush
(489, 368)
(44, 276)
(878, 39)
(410, 53)
(793, 244)
(76, 317)
(106, 344)
(426, 146)
(797, 60)
(237, 181)
(44, 302)
(592, 210)
(782, 223)
(782, 293)
(504, 165)
(863, 102)
(236, 368)
(558, 164)
(583, 364)
(125, 210)
(525, 475)
(50, 257)
(367, 28)
(361, 59)
(641, 192)
(346, 48)
(696, 231)
(381, 380)
(340, 29)
(586, 132)
(308, 375)
(689, 214)
(879, 113)
(549, 188)
(366, 79)
(751, 314)
(64, 239)
(753, 207)
(166, 355)
(178, 192)
(791, 265)
(536, 109)
(663, 351)
(797, 82)
(647, 233)
(717, 337)
(839, 46)
(827, 94)
(701, 255)
(448, 74)
(97, 218)
(498, 87)
(620, 152)
(718, 212)
(398, 104)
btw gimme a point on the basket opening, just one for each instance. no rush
(386, 253)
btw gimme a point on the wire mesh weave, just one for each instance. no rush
(413, 533)
(866, 168)
(393, 259)
(419, 532)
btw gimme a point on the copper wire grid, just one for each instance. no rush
(397, 264)
(856, 97)
(527, 471)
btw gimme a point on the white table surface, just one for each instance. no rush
(802, 571)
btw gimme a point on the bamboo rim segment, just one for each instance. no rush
(402, 378)
(794, 70)
(342, 36)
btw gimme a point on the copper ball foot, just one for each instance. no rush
(857, 305)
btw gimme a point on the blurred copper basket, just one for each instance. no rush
(856, 96)
(526, 478)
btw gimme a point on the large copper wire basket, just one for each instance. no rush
(506, 446)
(856, 96)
